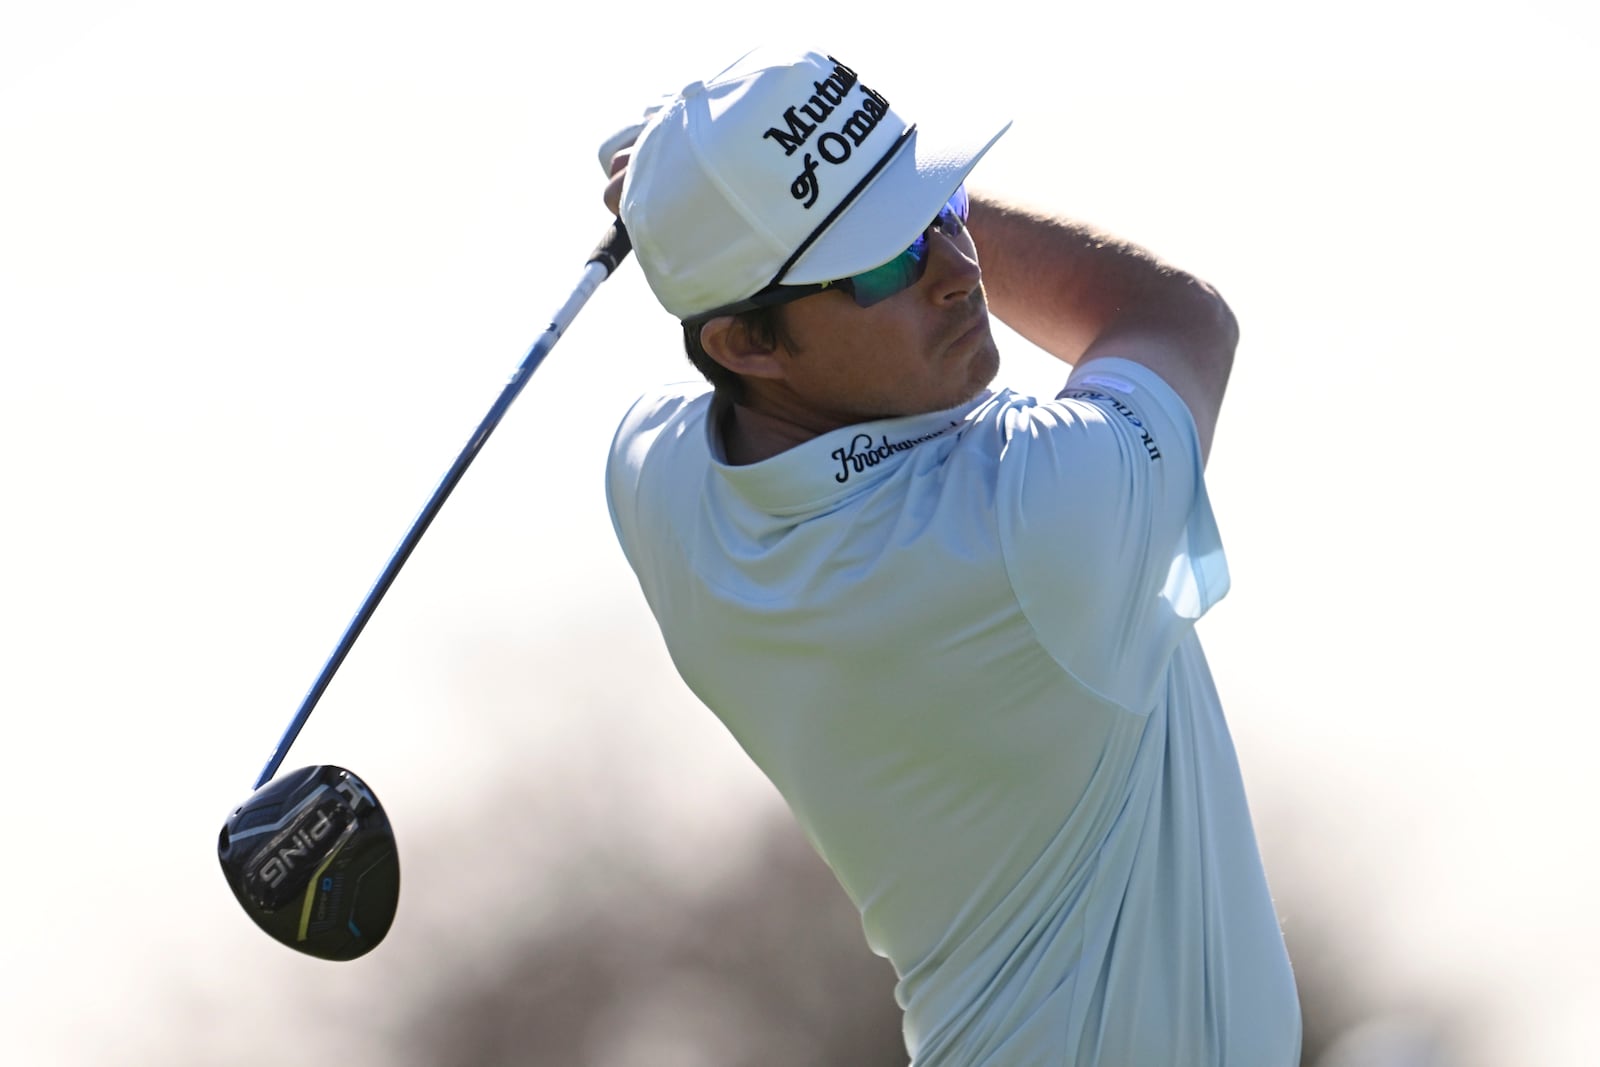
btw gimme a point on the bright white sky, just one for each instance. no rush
(262, 270)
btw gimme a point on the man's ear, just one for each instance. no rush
(730, 342)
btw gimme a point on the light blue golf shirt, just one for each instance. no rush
(961, 645)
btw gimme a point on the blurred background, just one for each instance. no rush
(263, 269)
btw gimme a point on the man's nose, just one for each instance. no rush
(953, 271)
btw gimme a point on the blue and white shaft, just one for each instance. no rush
(606, 257)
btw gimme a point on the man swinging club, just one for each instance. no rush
(954, 625)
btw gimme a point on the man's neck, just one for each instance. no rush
(750, 436)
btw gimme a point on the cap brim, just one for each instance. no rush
(895, 208)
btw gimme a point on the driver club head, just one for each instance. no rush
(312, 860)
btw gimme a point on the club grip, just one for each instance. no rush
(613, 247)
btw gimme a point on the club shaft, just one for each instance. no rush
(605, 258)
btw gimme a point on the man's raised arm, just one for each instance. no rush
(1080, 294)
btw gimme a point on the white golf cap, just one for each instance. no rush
(783, 168)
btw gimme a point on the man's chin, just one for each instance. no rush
(985, 364)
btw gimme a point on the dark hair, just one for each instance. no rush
(764, 326)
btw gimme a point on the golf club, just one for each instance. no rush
(311, 857)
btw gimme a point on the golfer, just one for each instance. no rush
(954, 625)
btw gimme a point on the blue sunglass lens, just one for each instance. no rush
(905, 270)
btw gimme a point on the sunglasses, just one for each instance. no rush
(905, 270)
(870, 286)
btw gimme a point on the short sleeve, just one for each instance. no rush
(1108, 535)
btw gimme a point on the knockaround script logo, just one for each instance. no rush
(862, 453)
(1125, 411)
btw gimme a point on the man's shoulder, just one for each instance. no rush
(668, 409)
(665, 403)
(1108, 410)
(645, 451)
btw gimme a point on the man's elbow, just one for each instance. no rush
(1221, 324)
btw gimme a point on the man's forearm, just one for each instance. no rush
(1062, 284)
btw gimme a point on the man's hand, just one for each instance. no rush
(618, 171)
(615, 151)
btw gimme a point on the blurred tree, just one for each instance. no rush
(770, 970)
(608, 959)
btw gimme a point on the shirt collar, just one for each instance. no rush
(833, 465)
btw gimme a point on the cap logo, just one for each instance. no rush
(801, 120)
